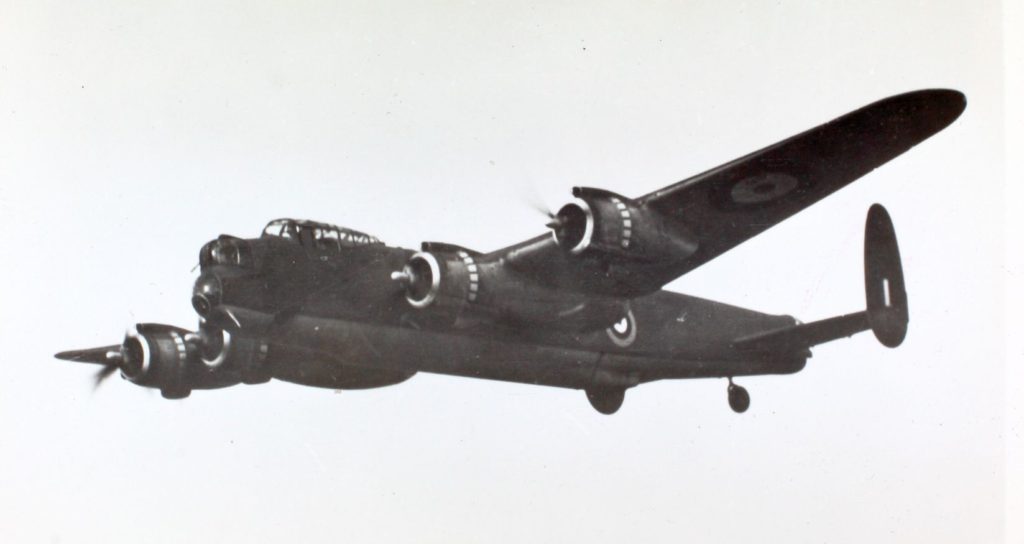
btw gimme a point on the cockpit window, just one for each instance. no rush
(310, 233)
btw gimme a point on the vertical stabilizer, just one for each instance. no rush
(883, 279)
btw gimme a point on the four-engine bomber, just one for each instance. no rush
(580, 307)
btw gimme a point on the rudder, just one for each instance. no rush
(884, 286)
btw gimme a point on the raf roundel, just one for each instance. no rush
(762, 188)
(623, 332)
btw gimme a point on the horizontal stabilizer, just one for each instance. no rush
(805, 335)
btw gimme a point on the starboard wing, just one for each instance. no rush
(725, 206)
(734, 202)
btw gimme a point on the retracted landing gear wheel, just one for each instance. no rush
(607, 401)
(739, 399)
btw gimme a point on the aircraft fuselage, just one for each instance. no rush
(580, 307)
(354, 328)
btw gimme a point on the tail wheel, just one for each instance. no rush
(739, 399)
(606, 400)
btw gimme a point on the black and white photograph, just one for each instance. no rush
(513, 272)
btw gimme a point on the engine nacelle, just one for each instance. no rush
(444, 282)
(176, 360)
(460, 288)
(602, 222)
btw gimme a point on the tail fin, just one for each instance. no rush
(886, 314)
(886, 293)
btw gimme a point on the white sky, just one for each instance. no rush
(133, 132)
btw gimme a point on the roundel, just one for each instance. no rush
(623, 332)
(762, 188)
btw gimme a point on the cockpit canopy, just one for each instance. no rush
(312, 233)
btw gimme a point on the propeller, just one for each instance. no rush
(102, 375)
(109, 356)
(533, 201)
(146, 344)
(541, 208)
(530, 195)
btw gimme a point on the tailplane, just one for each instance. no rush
(886, 314)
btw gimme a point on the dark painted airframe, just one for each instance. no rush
(580, 307)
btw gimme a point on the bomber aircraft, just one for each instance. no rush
(580, 307)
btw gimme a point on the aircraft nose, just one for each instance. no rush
(207, 293)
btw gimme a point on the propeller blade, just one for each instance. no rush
(102, 375)
(541, 208)
(100, 356)
(530, 195)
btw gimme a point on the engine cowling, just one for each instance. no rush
(443, 281)
(461, 288)
(155, 355)
(604, 223)
(177, 360)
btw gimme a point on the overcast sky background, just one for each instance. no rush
(133, 132)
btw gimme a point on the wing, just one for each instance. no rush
(714, 212)
(740, 199)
